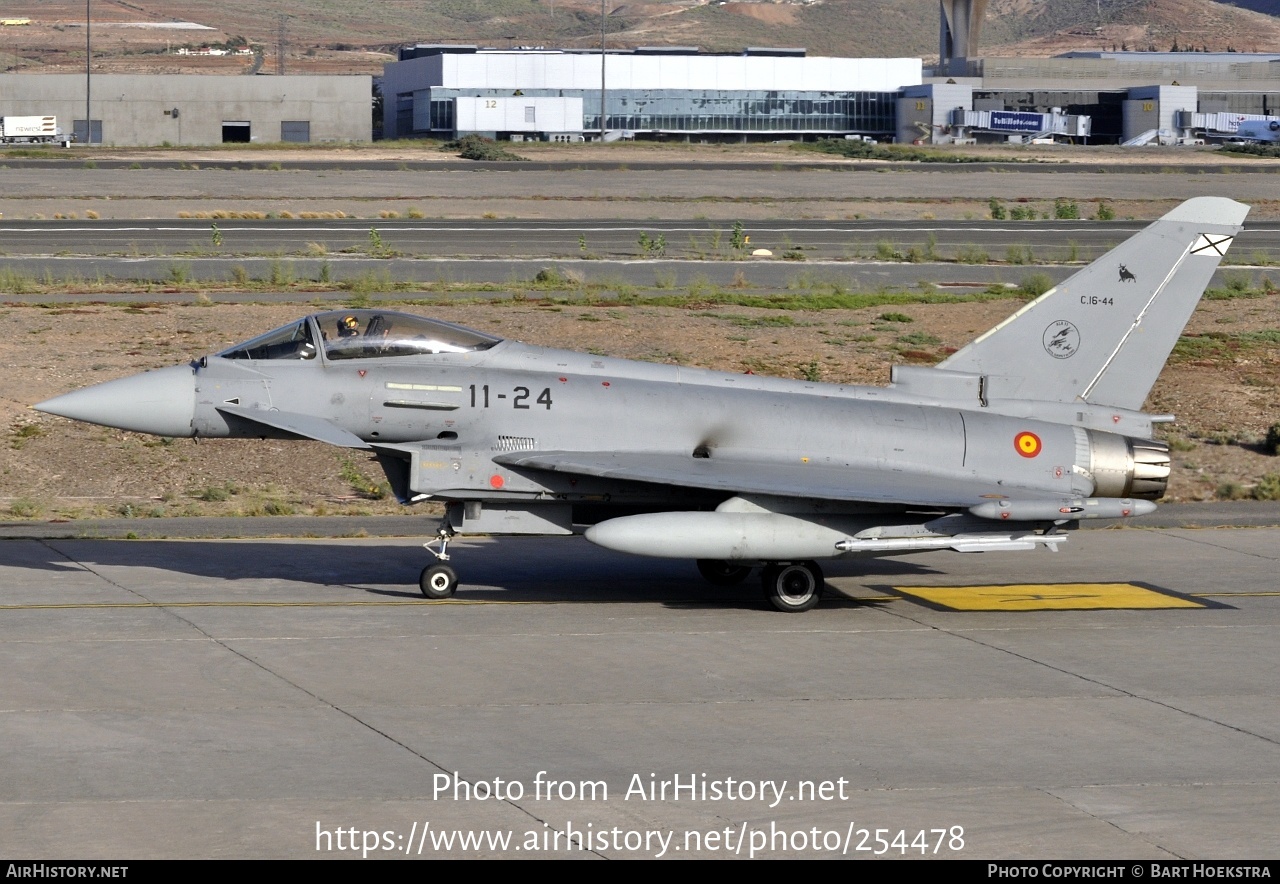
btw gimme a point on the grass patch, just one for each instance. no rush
(821, 301)
(1035, 284)
(373, 489)
(1264, 151)
(474, 147)
(972, 255)
(776, 321)
(1268, 487)
(215, 493)
(902, 153)
(22, 434)
(557, 278)
(1219, 346)
(25, 508)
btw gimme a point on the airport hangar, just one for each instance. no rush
(183, 109)
(764, 94)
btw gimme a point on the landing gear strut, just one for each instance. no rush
(720, 573)
(439, 581)
(793, 587)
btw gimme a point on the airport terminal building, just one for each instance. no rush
(761, 94)
(447, 91)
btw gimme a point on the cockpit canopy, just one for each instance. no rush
(361, 334)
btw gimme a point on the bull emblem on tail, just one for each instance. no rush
(1125, 275)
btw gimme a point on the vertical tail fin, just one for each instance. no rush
(1103, 335)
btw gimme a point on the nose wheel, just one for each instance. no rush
(439, 581)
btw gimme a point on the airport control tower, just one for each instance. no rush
(958, 34)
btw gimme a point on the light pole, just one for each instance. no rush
(88, 59)
(602, 2)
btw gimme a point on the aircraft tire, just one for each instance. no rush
(721, 573)
(438, 581)
(794, 587)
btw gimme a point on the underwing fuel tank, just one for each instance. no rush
(764, 537)
(724, 536)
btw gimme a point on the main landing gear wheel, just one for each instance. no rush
(438, 581)
(794, 587)
(720, 573)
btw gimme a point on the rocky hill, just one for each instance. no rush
(359, 35)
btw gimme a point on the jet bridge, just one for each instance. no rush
(1021, 126)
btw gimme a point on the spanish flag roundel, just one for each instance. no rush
(1027, 444)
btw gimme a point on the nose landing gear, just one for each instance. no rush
(439, 581)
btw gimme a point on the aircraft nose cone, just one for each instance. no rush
(161, 402)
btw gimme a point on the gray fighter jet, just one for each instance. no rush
(1004, 445)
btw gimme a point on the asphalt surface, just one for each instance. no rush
(251, 698)
(511, 253)
(286, 281)
(571, 238)
(579, 239)
(554, 194)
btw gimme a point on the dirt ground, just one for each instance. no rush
(1222, 389)
(623, 152)
(746, 183)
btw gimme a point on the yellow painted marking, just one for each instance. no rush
(434, 388)
(1048, 597)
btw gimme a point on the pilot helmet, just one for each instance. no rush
(349, 325)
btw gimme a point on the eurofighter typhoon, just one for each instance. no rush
(1004, 445)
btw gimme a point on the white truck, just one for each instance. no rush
(30, 130)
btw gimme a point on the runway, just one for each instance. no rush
(252, 697)
(688, 193)
(580, 239)
(571, 238)
(802, 254)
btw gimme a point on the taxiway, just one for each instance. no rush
(237, 698)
